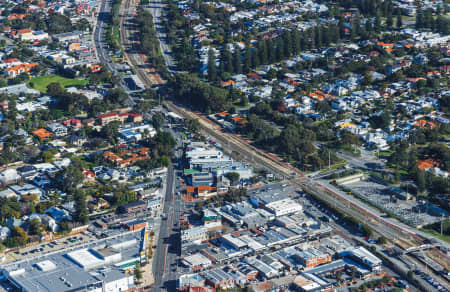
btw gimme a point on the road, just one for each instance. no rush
(168, 247)
(99, 40)
(270, 162)
(130, 43)
(156, 9)
(367, 160)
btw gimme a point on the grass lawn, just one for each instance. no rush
(334, 167)
(40, 83)
(351, 150)
(385, 153)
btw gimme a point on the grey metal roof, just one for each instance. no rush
(68, 275)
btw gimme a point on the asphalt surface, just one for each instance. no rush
(156, 9)
(168, 247)
(99, 40)
(168, 244)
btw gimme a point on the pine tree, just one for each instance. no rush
(279, 49)
(389, 20)
(227, 58)
(212, 69)
(255, 59)
(341, 24)
(222, 70)
(399, 21)
(377, 23)
(262, 51)
(317, 37)
(237, 62)
(325, 35)
(311, 40)
(368, 25)
(302, 42)
(334, 33)
(287, 44)
(428, 19)
(419, 19)
(295, 42)
(270, 51)
(81, 212)
(247, 60)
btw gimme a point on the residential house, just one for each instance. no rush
(4, 232)
(77, 141)
(19, 69)
(57, 129)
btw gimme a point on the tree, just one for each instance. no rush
(377, 23)
(55, 89)
(419, 19)
(116, 96)
(382, 240)
(36, 226)
(158, 120)
(81, 211)
(70, 177)
(244, 101)
(212, 70)
(389, 20)
(421, 180)
(193, 126)
(381, 120)
(138, 274)
(47, 156)
(255, 59)
(227, 59)
(247, 60)
(19, 235)
(263, 52)
(110, 132)
(233, 177)
(237, 62)
(164, 161)
(339, 276)
(399, 21)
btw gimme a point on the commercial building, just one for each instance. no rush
(363, 257)
(284, 207)
(135, 224)
(201, 179)
(199, 233)
(263, 268)
(197, 262)
(219, 277)
(134, 207)
(311, 258)
(99, 266)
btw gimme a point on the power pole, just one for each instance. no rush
(442, 223)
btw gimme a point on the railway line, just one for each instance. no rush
(129, 38)
(260, 158)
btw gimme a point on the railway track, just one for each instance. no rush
(261, 158)
(130, 41)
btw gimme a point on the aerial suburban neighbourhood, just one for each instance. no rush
(225, 145)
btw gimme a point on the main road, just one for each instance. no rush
(168, 247)
(261, 158)
(103, 18)
(269, 161)
(156, 9)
